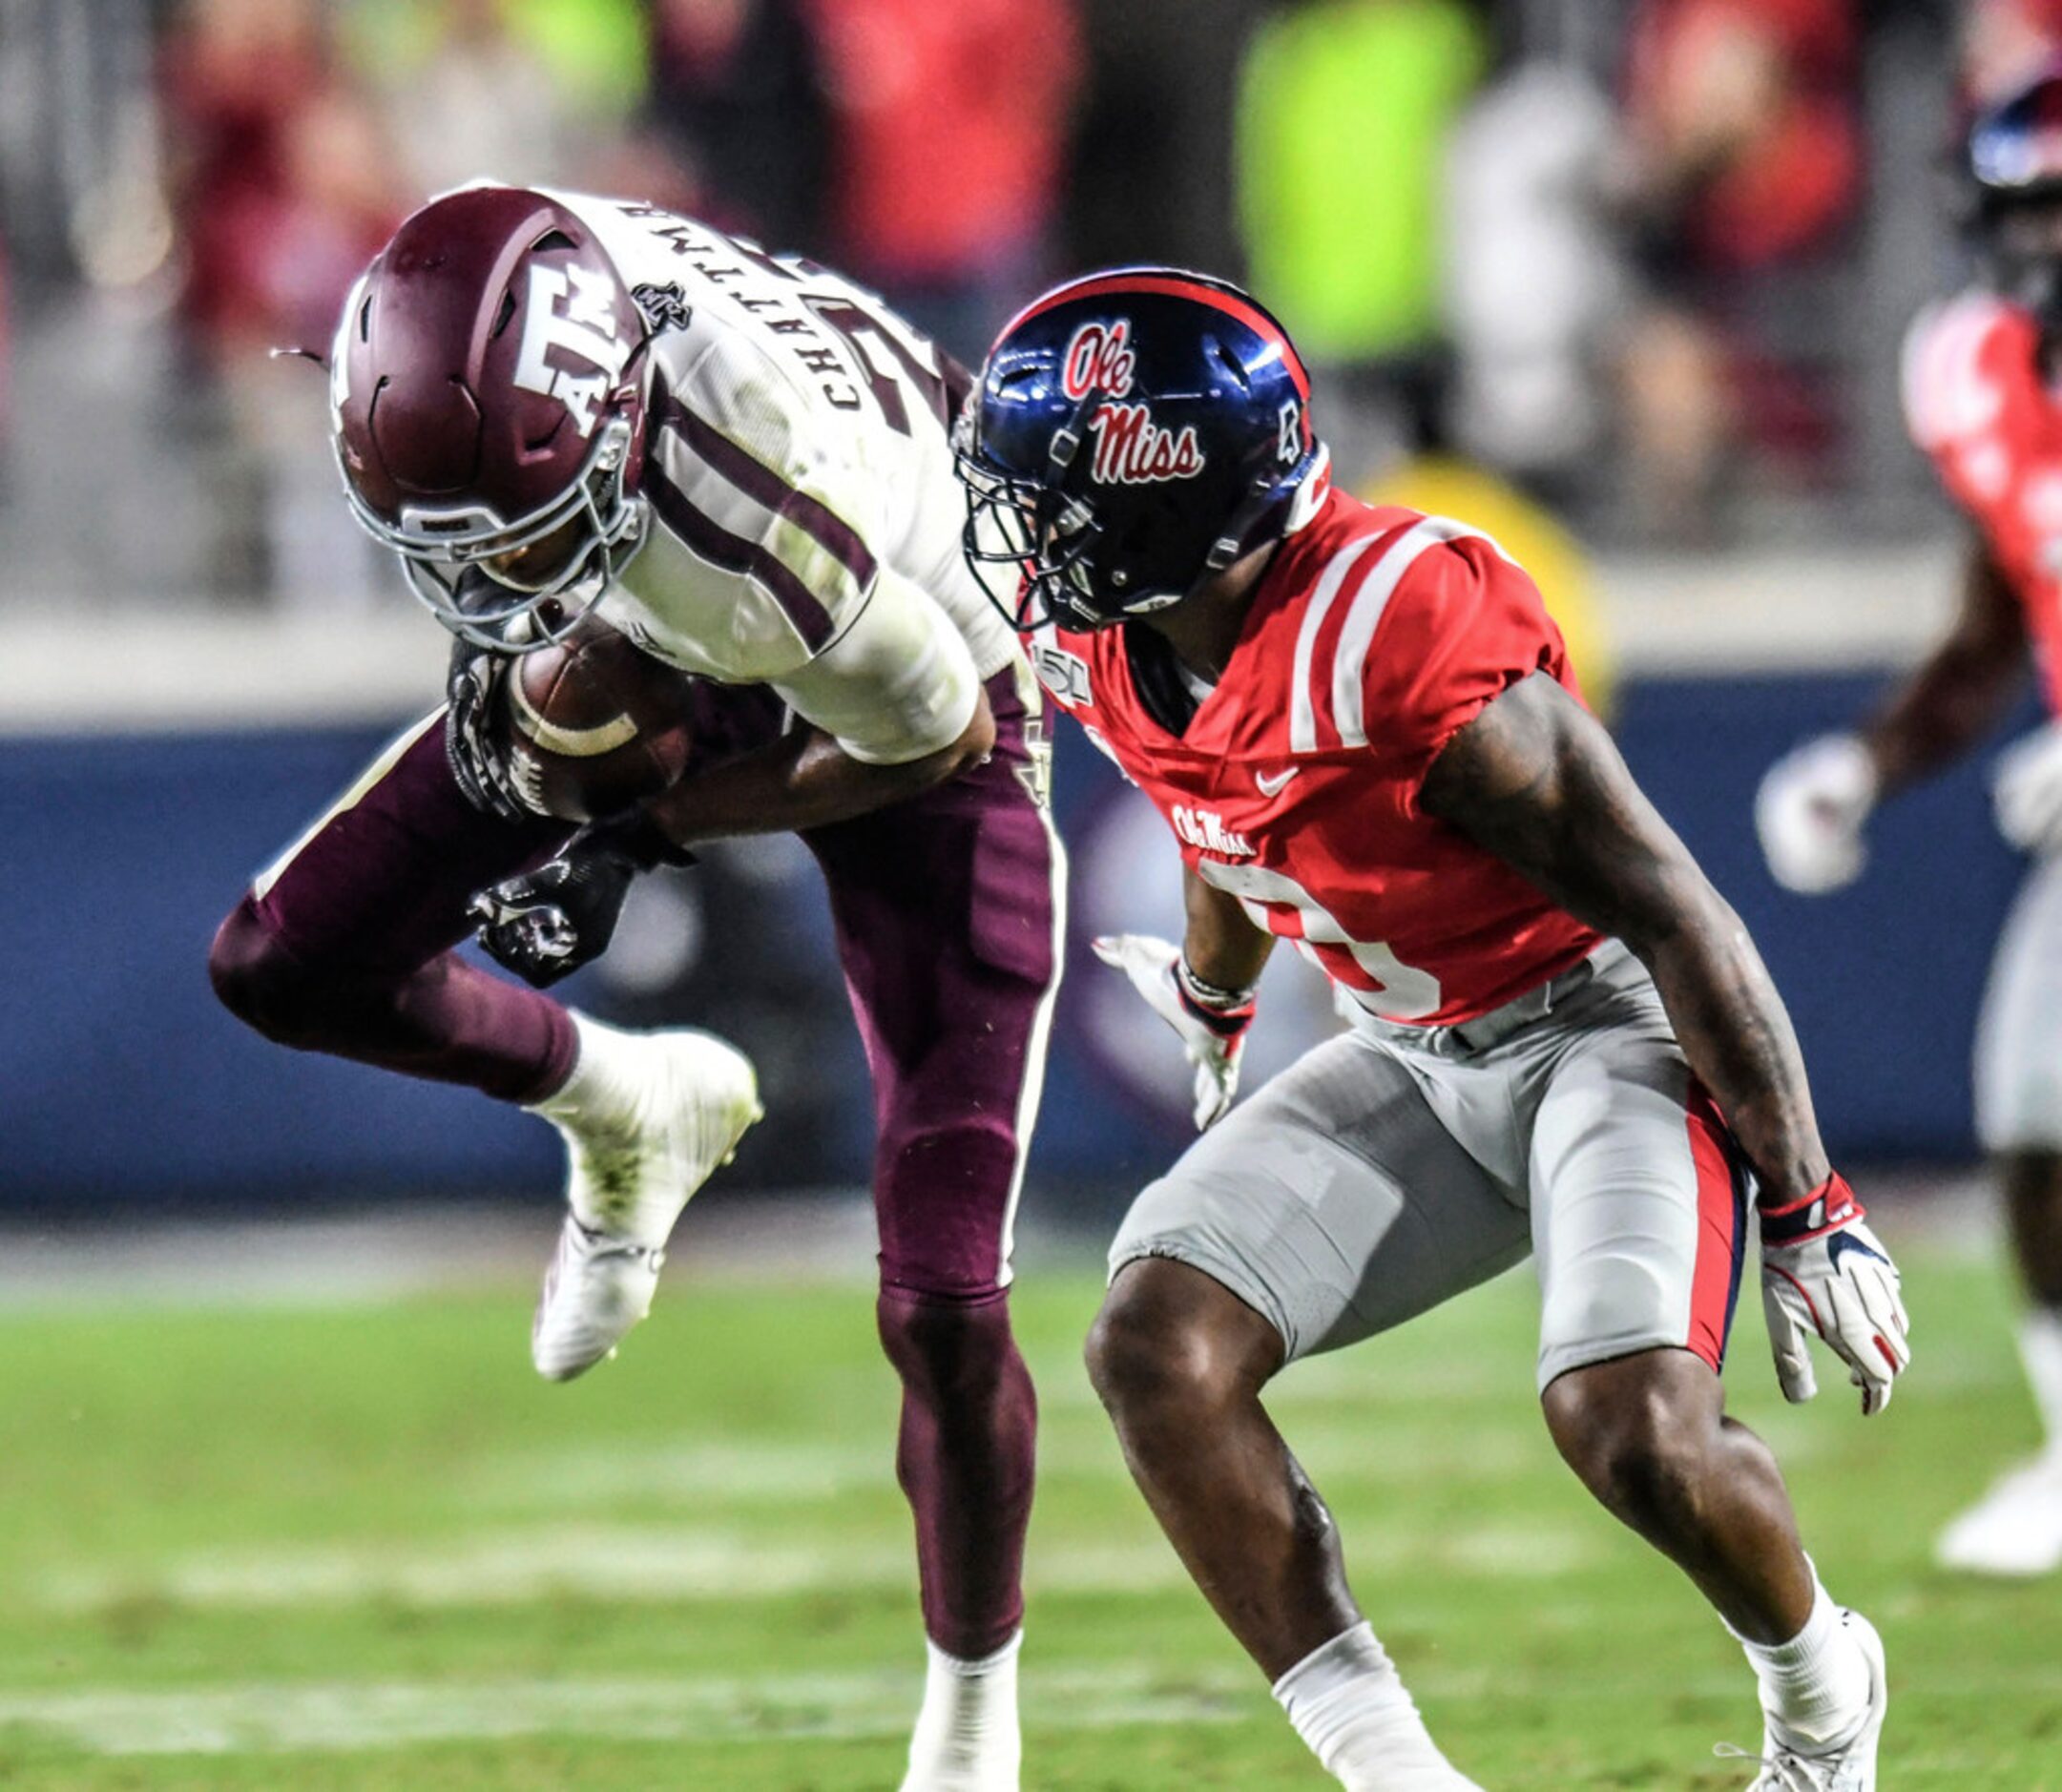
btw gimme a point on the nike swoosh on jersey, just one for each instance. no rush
(1275, 785)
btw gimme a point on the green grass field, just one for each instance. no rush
(326, 1547)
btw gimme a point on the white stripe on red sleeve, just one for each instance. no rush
(1349, 662)
(1302, 710)
(1944, 392)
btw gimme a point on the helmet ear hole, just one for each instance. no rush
(1229, 363)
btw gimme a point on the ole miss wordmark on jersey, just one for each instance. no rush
(1374, 636)
(1977, 403)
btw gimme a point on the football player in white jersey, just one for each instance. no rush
(547, 402)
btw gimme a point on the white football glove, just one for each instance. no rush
(2026, 791)
(1809, 812)
(1825, 1272)
(1214, 1036)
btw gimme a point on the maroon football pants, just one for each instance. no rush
(944, 908)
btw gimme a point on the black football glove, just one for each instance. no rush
(547, 923)
(472, 689)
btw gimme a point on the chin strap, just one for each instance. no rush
(1295, 509)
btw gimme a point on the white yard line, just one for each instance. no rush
(387, 1253)
(775, 1708)
(286, 1718)
(651, 1563)
(623, 1563)
(683, 1471)
(686, 1471)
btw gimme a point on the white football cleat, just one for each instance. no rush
(683, 1100)
(2015, 1529)
(1849, 1767)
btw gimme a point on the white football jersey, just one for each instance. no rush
(806, 521)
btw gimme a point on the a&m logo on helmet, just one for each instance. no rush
(571, 311)
(1130, 449)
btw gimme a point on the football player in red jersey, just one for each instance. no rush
(1981, 398)
(1361, 726)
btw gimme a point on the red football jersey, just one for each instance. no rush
(1374, 636)
(1978, 404)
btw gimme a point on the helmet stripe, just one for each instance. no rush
(1176, 285)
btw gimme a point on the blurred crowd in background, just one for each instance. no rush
(1646, 259)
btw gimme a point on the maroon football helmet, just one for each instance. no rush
(484, 391)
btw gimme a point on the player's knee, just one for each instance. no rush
(1639, 1444)
(260, 980)
(256, 978)
(947, 1346)
(1150, 1354)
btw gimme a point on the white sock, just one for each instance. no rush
(600, 1090)
(2040, 1349)
(1815, 1687)
(965, 1737)
(600, 1110)
(1349, 1704)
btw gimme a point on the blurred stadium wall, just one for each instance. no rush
(148, 769)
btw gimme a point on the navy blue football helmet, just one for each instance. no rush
(1131, 434)
(2014, 170)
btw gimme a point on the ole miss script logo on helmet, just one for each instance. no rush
(1130, 449)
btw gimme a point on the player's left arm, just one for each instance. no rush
(1535, 780)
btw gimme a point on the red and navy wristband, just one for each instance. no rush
(1226, 1013)
(1829, 1208)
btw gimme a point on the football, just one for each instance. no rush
(593, 725)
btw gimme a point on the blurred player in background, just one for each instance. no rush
(1981, 394)
(1361, 726)
(546, 402)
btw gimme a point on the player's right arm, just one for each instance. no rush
(809, 778)
(774, 575)
(888, 709)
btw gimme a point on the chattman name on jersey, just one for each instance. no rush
(717, 259)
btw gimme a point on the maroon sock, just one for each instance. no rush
(965, 1460)
(446, 1019)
